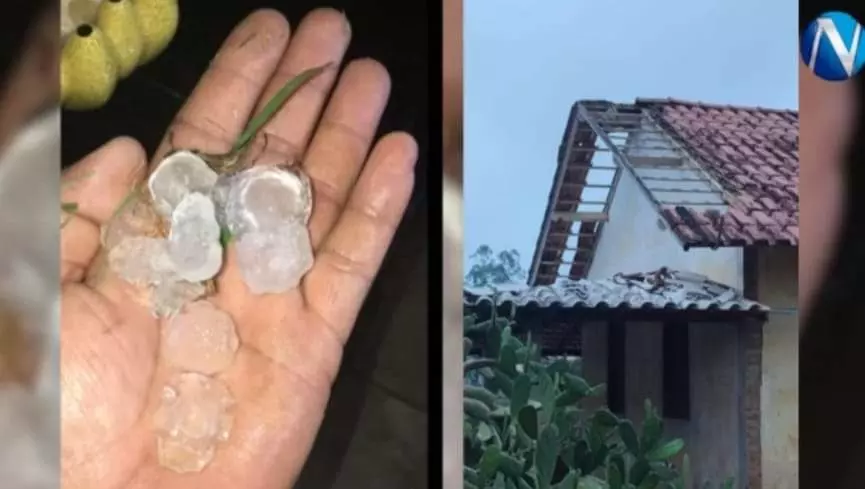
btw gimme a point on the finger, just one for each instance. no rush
(322, 37)
(351, 255)
(219, 107)
(97, 185)
(342, 140)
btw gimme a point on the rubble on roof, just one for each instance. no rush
(661, 289)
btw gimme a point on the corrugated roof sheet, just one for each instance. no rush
(753, 153)
(661, 289)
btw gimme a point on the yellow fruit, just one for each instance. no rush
(158, 21)
(119, 24)
(76, 12)
(106, 40)
(88, 69)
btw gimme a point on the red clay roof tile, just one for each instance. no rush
(753, 153)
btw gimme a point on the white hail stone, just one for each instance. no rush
(276, 259)
(201, 338)
(135, 217)
(168, 296)
(144, 261)
(263, 197)
(267, 209)
(193, 242)
(141, 260)
(192, 418)
(176, 176)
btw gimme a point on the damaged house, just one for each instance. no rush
(688, 189)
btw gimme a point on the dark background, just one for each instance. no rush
(831, 363)
(375, 431)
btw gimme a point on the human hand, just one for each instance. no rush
(827, 111)
(291, 343)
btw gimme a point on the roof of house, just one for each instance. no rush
(661, 289)
(753, 153)
(750, 155)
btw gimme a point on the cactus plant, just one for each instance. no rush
(525, 427)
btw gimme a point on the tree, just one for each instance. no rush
(488, 268)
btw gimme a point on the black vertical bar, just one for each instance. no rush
(832, 447)
(434, 181)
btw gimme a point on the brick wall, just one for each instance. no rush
(751, 338)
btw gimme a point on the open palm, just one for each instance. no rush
(291, 344)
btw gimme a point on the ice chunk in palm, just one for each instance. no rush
(274, 260)
(134, 217)
(176, 176)
(267, 209)
(193, 243)
(192, 418)
(264, 197)
(201, 338)
(144, 261)
(170, 295)
(140, 260)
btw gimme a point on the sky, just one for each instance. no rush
(524, 67)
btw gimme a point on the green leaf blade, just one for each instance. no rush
(274, 104)
(225, 236)
(70, 207)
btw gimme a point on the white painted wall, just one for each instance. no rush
(779, 396)
(632, 241)
(685, 183)
(636, 239)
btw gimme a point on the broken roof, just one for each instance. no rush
(753, 154)
(661, 289)
(745, 159)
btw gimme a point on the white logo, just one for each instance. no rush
(847, 56)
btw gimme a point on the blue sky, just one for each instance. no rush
(525, 66)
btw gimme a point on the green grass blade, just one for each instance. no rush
(70, 207)
(275, 104)
(128, 199)
(225, 237)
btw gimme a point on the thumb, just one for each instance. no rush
(95, 187)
